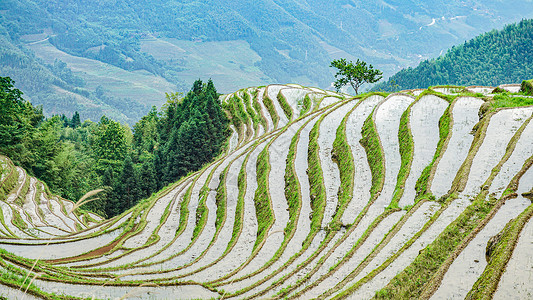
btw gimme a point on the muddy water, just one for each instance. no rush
(408, 230)
(313, 263)
(295, 97)
(330, 170)
(363, 175)
(464, 118)
(60, 250)
(278, 152)
(266, 114)
(387, 119)
(114, 292)
(328, 100)
(408, 256)
(424, 123)
(243, 247)
(515, 282)
(233, 140)
(365, 249)
(515, 162)
(207, 235)
(303, 225)
(272, 92)
(503, 125)
(470, 263)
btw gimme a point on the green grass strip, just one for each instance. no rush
(262, 201)
(306, 105)
(271, 109)
(374, 153)
(257, 107)
(316, 180)
(250, 111)
(505, 100)
(342, 155)
(285, 105)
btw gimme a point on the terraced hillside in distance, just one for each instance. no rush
(418, 194)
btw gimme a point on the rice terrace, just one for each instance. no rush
(416, 194)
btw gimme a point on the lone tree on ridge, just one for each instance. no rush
(354, 74)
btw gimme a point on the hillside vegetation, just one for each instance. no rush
(418, 194)
(493, 58)
(73, 158)
(118, 58)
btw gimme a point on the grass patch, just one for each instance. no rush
(374, 154)
(316, 180)
(305, 105)
(343, 157)
(271, 109)
(505, 100)
(262, 201)
(285, 105)
(249, 110)
(292, 187)
(257, 107)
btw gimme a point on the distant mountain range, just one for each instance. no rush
(119, 57)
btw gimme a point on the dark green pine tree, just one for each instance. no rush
(147, 179)
(75, 122)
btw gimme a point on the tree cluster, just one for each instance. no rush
(74, 157)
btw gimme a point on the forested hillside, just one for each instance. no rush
(73, 158)
(119, 58)
(492, 58)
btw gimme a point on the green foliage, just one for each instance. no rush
(306, 105)
(527, 87)
(316, 180)
(257, 107)
(492, 58)
(342, 155)
(271, 109)
(249, 110)
(354, 74)
(374, 153)
(73, 158)
(263, 209)
(292, 187)
(192, 131)
(285, 105)
(505, 100)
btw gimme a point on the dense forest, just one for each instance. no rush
(494, 58)
(74, 157)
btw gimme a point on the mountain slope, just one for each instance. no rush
(319, 195)
(234, 43)
(493, 58)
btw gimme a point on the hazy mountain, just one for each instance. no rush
(122, 56)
